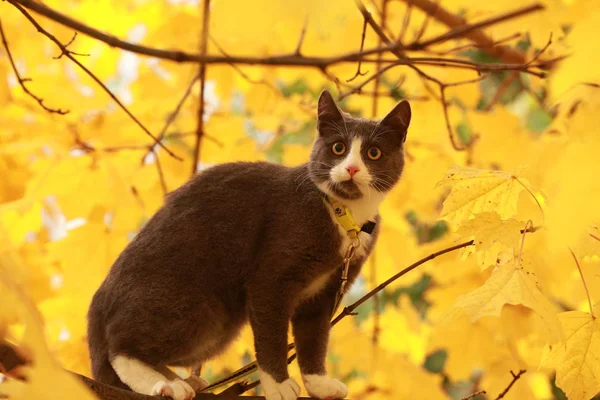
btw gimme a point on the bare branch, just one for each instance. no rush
(202, 73)
(502, 89)
(301, 39)
(433, 6)
(395, 48)
(362, 44)
(70, 42)
(173, 115)
(477, 393)
(405, 21)
(463, 30)
(504, 53)
(23, 81)
(67, 53)
(515, 378)
(475, 45)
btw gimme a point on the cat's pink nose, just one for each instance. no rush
(352, 170)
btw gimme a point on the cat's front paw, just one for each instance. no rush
(177, 390)
(286, 390)
(324, 387)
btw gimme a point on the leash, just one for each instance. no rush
(344, 217)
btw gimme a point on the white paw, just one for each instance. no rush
(177, 390)
(286, 390)
(196, 382)
(324, 387)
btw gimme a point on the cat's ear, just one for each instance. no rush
(327, 110)
(398, 119)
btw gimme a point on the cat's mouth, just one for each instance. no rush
(346, 189)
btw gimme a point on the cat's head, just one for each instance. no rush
(355, 157)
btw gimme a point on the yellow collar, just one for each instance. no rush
(344, 217)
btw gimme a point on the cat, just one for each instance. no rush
(246, 242)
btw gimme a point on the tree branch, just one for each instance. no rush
(515, 378)
(477, 393)
(10, 358)
(67, 53)
(350, 309)
(463, 30)
(504, 53)
(202, 73)
(172, 116)
(22, 81)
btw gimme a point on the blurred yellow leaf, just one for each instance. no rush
(578, 359)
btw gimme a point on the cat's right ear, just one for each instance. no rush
(327, 111)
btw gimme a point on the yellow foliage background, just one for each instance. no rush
(75, 188)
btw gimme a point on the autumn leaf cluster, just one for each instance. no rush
(522, 183)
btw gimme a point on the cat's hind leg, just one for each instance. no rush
(143, 378)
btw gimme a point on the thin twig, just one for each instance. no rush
(23, 81)
(68, 54)
(202, 73)
(240, 71)
(502, 89)
(429, 13)
(595, 237)
(477, 393)
(515, 377)
(587, 292)
(405, 21)
(362, 44)
(378, 30)
(161, 175)
(70, 42)
(302, 35)
(528, 226)
(173, 115)
(475, 45)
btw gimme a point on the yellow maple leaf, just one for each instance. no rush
(476, 190)
(44, 372)
(508, 285)
(577, 361)
(491, 235)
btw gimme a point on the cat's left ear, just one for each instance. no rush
(398, 119)
(328, 111)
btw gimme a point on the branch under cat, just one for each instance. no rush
(11, 359)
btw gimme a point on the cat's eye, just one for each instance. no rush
(338, 148)
(374, 153)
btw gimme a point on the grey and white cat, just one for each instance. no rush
(246, 242)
